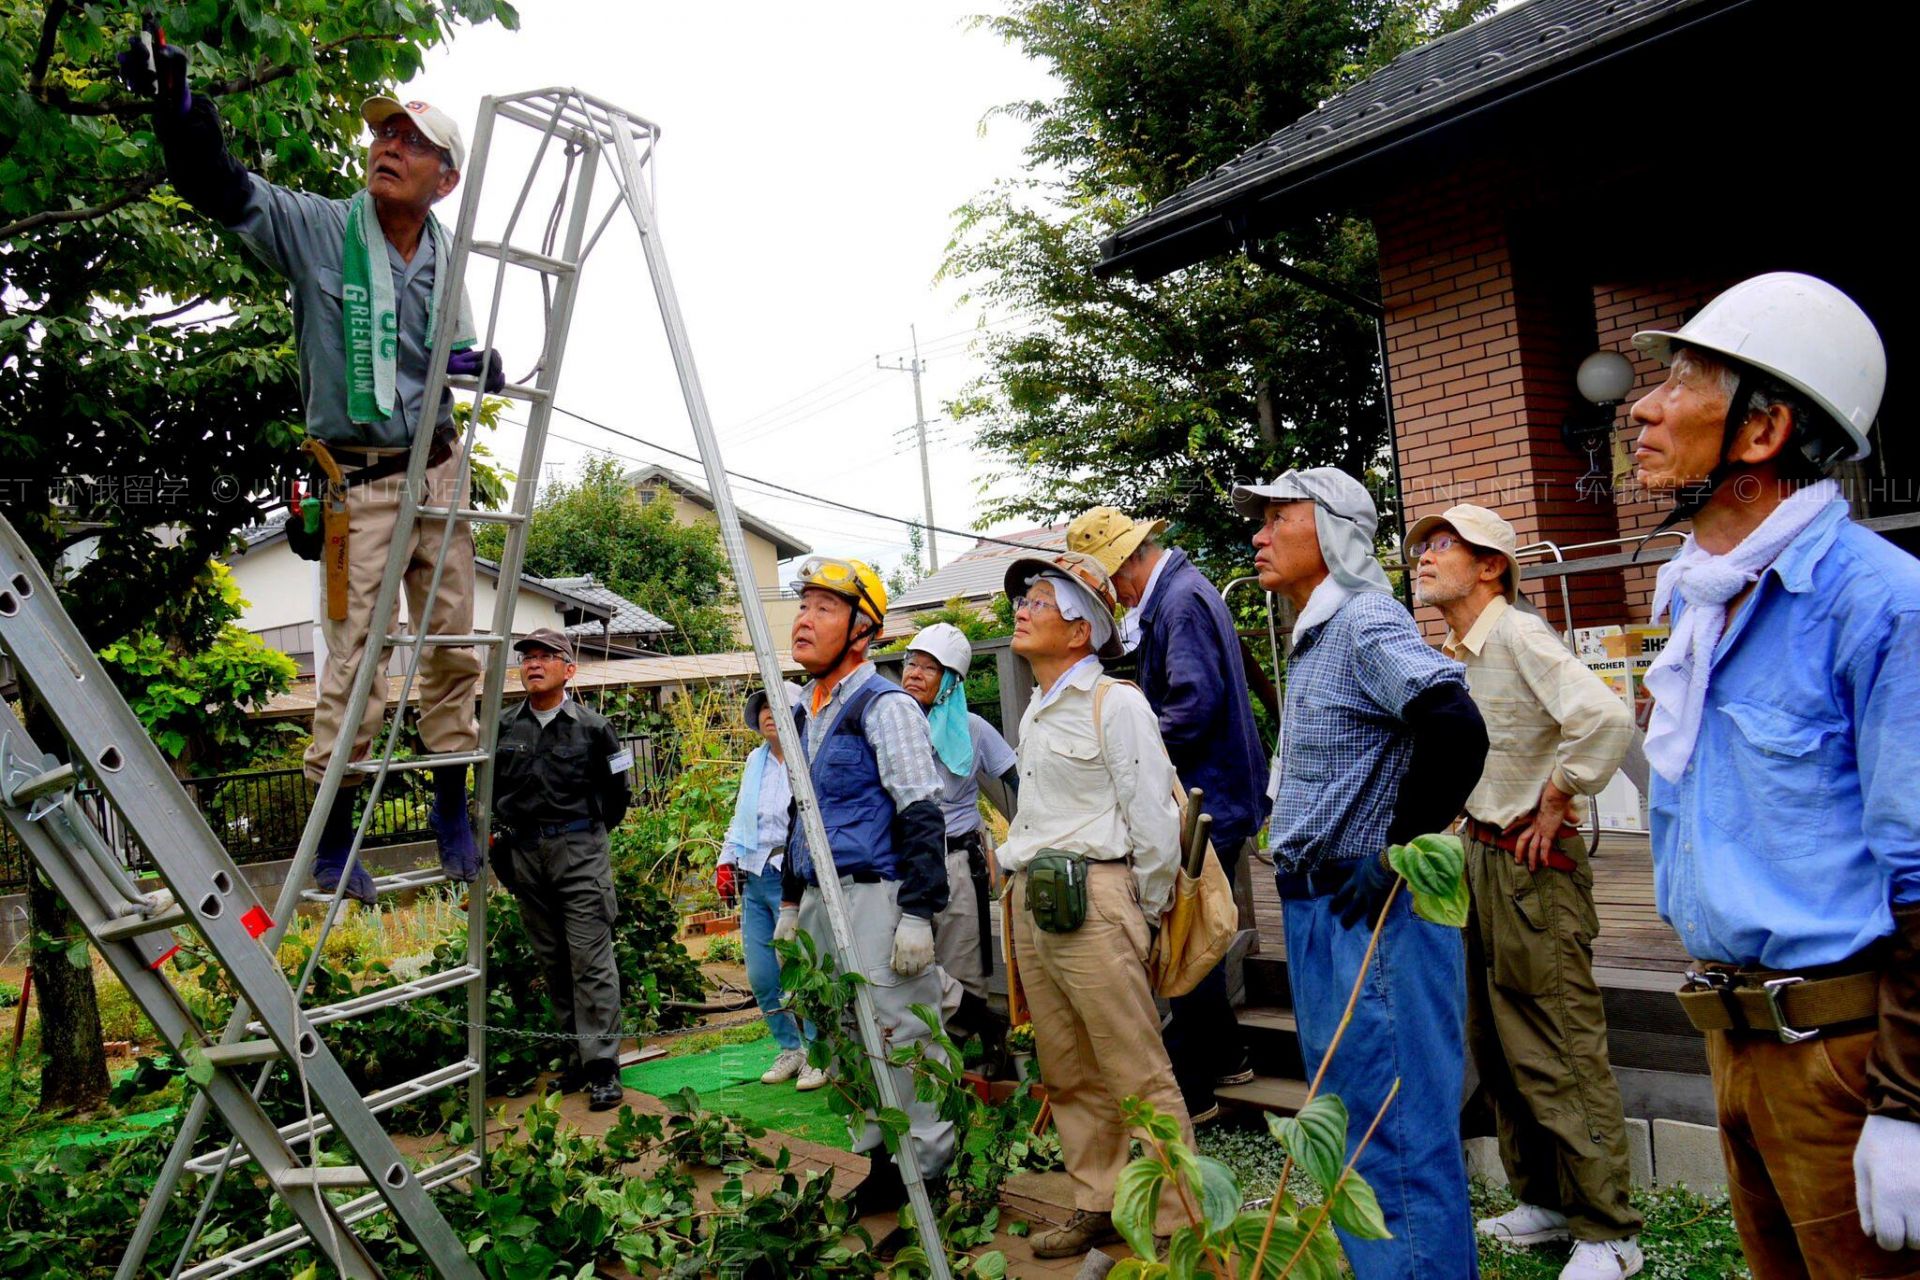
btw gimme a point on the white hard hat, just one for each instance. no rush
(947, 644)
(1799, 329)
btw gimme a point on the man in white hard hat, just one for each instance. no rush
(1380, 743)
(367, 286)
(1784, 742)
(1535, 1022)
(967, 750)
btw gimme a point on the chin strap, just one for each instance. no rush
(1691, 498)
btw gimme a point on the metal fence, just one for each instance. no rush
(259, 815)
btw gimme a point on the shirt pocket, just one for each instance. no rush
(1774, 793)
(565, 764)
(1072, 775)
(1312, 736)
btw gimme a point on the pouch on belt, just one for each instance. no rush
(1057, 891)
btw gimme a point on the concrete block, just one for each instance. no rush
(1688, 1155)
(1483, 1161)
(1640, 1152)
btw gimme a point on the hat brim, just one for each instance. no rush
(1251, 500)
(377, 110)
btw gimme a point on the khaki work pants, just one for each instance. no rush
(448, 676)
(1790, 1116)
(1539, 1038)
(1097, 1032)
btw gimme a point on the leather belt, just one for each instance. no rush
(965, 840)
(386, 463)
(548, 830)
(1792, 1006)
(1317, 883)
(1508, 841)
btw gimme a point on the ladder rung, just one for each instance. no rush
(524, 257)
(125, 927)
(512, 391)
(473, 640)
(473, 513)
(42, 784)
(353, 1007)
(398, 882)
(420, 762)
(247, 1256)
(327, 1175)
(384, 1100)
(241, 1052)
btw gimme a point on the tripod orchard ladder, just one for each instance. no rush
(107, 743)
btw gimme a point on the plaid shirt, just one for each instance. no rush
(1343, 745)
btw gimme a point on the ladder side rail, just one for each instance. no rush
(754, 613)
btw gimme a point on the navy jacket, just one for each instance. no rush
(1190, 668)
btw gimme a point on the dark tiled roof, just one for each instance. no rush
(1464, 72)
(627, 618)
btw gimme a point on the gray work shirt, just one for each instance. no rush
(960, 797)
(300, 236)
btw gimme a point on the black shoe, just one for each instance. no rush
(605, 1094)
(1241, 1074)
(883, 1191)
(572, 1079)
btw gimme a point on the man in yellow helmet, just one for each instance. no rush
(871, 757)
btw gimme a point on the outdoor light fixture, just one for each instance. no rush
(1604, 380)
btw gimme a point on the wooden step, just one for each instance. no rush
(1265, 1093)
(1269, 1018)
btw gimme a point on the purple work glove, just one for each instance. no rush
(150, 67)
(468, 364)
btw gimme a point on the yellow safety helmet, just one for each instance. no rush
(854, 579)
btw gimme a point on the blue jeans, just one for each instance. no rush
(759, 912)
(1409, 1023)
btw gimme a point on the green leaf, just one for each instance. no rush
(1219, 1192)
(991, 1265)
(1136, 1202)
(1316, 1138)
(1435, 869)
(1357, 1210)
(199, 1070)
(78, 956)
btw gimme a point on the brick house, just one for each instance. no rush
(1552, 178)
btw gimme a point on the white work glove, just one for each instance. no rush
(787, 925)
(912, 946)
(1886, 1182)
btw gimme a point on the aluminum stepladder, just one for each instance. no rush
(351, 1116)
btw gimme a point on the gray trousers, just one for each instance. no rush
(874, 913)
(565, 887)
(956, 930)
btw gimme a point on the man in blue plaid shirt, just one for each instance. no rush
(1380, 742)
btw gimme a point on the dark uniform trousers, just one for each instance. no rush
(1538, 1035)
(565, 885)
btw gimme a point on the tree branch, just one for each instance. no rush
(49, 36)
(47, 217)
(182, 309)
(58, 98)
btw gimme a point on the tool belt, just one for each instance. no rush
(387, 464)
(320, 528)
(1794, 1006)
(976, 847)
(1509, 840)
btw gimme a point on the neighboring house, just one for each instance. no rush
(627, 631)
(282, 593)
(974, 577)
(767, 546)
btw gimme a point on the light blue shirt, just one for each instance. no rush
(1797, 821)
(759, 829)
(960, 797)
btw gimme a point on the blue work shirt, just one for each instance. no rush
(1797, 820)
(1344, 745)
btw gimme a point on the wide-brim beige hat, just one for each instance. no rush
(1110, 535)
(435, 125)
(1480, 527)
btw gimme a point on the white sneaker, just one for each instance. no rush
(785, 1067)
(811, 1078)
(1604, 1260)
(1525, 1225)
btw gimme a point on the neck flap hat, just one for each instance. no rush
(1343, 515)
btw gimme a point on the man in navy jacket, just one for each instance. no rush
(1190, 668)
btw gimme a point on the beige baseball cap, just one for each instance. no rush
(434, 124)
(1480, 527)
(1110, 535)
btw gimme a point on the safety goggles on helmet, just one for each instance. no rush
(848, 578)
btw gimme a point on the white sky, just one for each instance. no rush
(810, 162)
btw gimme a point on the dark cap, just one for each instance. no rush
(545, 638)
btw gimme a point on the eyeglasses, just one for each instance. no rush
(1033, 604)
(404, 133)
(1438, 545)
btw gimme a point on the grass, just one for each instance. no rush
(744, 1033)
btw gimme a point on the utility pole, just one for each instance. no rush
(920, 432)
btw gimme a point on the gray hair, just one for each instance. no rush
(1815, 437)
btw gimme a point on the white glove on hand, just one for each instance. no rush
(912, 946)
(787, 925)
(1886, 1182)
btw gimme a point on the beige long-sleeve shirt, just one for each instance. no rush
(1549, 719)
(1108, 797)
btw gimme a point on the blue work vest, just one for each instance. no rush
(855, 807)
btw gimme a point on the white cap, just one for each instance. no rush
(434, 124)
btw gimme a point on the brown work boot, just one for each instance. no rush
(1083, 1231)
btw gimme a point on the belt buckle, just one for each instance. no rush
(1788, 1034)
(1707, 980)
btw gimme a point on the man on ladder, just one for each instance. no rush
(366, 289)
(872, 764)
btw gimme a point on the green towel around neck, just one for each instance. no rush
(372, 317)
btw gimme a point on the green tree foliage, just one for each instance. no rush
(1158, 397)
(193, 698)
(598, 524)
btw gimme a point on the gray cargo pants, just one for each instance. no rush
(873, 911)
(565, 887)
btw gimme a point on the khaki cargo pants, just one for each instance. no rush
(448, 676)
(1539, 1038)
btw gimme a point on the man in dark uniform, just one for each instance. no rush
(561, 783)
